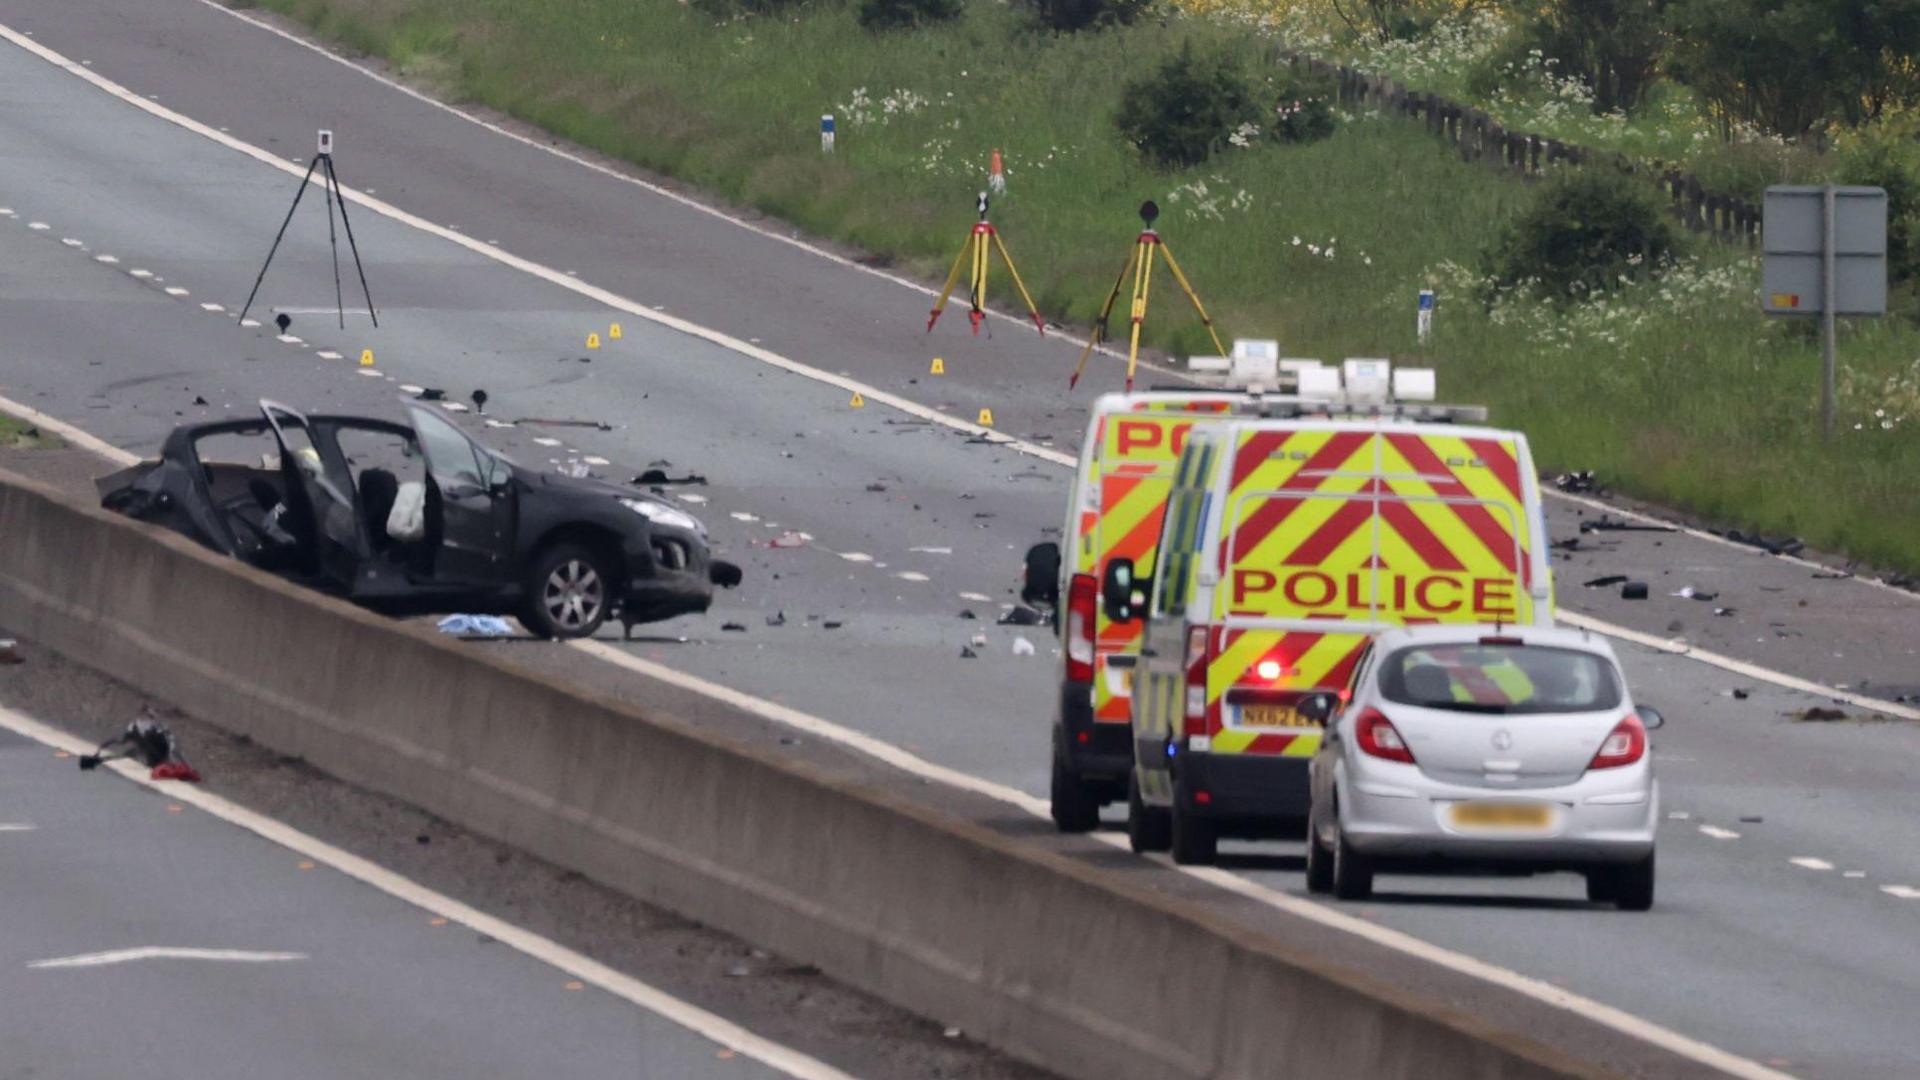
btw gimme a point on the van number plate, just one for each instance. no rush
(1272, 716)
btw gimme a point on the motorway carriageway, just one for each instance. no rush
(1790, 884)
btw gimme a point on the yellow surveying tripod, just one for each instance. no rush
(976, 249)
(1140, 265)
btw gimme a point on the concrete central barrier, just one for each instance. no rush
(1064, 964)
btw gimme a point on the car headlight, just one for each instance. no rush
(662, 515)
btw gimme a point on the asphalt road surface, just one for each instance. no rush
(1790, 884)
(147, 939)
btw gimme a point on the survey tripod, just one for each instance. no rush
(331, 182)
(981, 241)
(1140, 266)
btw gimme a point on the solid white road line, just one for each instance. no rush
(1617, 1019)
(718, 1029)
(538, 270)
(1676, 647)
(166, 952)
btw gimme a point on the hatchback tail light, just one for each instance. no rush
(1378, 737)
(1625, 744)
(1082, 596)
(1197, 657)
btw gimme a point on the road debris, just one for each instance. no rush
(1633, 590)
(967, 653)
(149, 742)
(430, 393)
(978, 641)
(596, 425)
(965, 613)
(1021, 616)
(789, 539)
(1578, 483)
(1790, 546)
(1819, 714)
(832, 624)
(1688, 592)
(659, 476)
(778, 618)
(1831, 575)
(1738, 694)
(1726, 612)
(1022, 647)
(9, 652)
(1608, 580)
(479, 401)
(475, 627)
(734, 627)
(1609, 523)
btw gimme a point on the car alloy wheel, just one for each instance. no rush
(574, 597)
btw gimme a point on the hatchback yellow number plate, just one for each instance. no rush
(1272, 716)
(1502, 815)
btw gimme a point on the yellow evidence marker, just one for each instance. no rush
(939, 367)
(614, 333)
(366, 357)
(986, 418)
(857, 402)
(593, 341)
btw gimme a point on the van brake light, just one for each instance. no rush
(1082, 600)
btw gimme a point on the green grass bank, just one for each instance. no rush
(1676, 391)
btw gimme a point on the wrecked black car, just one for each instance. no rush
(420, 519)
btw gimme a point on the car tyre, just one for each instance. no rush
(1632, 885)
(1600, 885)
(1319, 858)
(1196, 841)
(1352, 871)
(569, 592)
(1148, 828)
(1075, 805)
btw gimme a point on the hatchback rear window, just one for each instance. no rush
(1507, 679)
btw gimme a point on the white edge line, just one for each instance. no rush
(657, 189)
(1702, 534)
(1617, 1019)
(538, 270)
(166, 952)
(715, 1028)
(1676, 647)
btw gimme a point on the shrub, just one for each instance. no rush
(1303, 109)
(1180, 112)
(1584, 233)
(905, 14)
(735, 9)
(1887, 154)
(1068, 16)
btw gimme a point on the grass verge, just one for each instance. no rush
(16, 434)
(1677, 392)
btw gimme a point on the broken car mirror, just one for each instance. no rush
(1318, 708)
(724, 574)
(1042, 584)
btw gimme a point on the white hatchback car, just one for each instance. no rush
(1500, 748)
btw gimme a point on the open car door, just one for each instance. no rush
(476, 503)
(312, 472)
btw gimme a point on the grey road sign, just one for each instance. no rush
(1794, 228)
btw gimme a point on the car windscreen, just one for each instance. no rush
(1507, 679)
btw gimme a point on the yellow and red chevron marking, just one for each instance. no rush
(1308, 662)
(1400, 526)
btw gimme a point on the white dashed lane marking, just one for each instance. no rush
(1903, 892)
(163, 952)
(1719, 833)
(1808, 862)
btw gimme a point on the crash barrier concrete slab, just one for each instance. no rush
(1061, 963)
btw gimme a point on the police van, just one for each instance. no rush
(1120, 489)
(1288, 539)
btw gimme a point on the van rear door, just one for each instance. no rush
(1334, 532)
